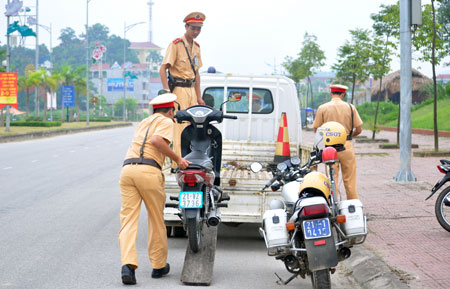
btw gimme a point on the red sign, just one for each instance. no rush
(8, 89)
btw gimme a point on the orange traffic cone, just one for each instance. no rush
(282, 150)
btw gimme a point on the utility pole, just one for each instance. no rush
(405, 174)
(36, 60)
(8, 54)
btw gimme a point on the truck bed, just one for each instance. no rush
(247, 202)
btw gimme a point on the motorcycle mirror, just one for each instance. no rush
(256, 167)
(232, 98)
(178, 104)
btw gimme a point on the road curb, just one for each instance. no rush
(371, 272)
(51, 133)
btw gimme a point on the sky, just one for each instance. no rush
(238, 36)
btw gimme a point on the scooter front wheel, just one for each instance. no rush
(321, 279)
(194, 234)
(442, 209)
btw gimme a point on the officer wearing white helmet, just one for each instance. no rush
(346, 114)
(141, 179)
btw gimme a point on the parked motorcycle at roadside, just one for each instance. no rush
(309, 229)
(200, 195)
(442, 206)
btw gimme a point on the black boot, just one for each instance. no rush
(158, 273)
(128, 276)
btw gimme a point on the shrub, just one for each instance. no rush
(36, 123)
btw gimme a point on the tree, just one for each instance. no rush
(131, 104)
(386, 24)
(26, 84)
(353, 58)
(428, 40)
(310, 58)
(44, 79)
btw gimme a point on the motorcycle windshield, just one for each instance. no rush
(318, 138)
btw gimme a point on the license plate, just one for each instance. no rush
(190, 200)
(316, 228)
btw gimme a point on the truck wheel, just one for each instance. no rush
(442, 209)
(321, 279)
(179, 232)
(194, 234)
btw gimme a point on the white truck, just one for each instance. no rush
(252, 137)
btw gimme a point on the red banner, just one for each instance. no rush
(8, 89)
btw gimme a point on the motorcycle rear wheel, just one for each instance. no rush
(321, 279)
(194, 234)
(442, 210)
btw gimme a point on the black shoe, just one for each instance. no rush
(158, 273)
(128, 276)
(173, 171)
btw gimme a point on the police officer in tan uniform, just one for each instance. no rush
(347, 115)
(141, 179)
(183, 60)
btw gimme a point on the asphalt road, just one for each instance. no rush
(59, 219)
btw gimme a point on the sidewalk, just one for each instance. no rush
(403, 230)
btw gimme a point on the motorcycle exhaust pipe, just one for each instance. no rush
(213, 219)
(344, 253)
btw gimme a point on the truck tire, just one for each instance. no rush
(179, 232)
(321, 279)
(194, 234)
(442, 209)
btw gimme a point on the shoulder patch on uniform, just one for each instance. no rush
(197, 43)
(177, 40)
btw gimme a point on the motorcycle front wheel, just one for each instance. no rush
(442, 209)
(321, 279)
(194, 234)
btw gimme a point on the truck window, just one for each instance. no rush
(262, 100)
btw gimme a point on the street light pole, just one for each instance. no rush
(87, 62)
(125, 29)
(7, 70)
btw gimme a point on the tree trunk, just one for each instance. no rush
(45, 106)
(433, 63)
(27, 100)
(398, 124)
(36, 103)
(376, 111)
(353, 87)
(62, 105)
(78, 105)
(2, 121)
(311, 92)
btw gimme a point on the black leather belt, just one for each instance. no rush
(349, 137)
(183, 82)
(141, 161)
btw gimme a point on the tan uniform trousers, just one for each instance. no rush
(142, 183)
(347, 163)
(186, 97)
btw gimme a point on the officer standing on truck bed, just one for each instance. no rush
(141, 179)
(347, 115)
(183, 61)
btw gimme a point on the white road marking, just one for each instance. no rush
(34, 161)
(72, 151)
(7, 168)
(55, 156)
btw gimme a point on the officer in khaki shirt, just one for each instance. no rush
(347, 115)
(141, 179)
(183, 61)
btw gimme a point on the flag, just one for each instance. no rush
(51, 100)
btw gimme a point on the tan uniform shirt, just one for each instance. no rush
(339, 111)
(162, 126)
(176, 56)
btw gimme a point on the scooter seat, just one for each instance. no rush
(199, 158)
(445, 162)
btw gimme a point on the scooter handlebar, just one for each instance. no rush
(230, 116)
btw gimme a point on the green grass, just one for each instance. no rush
(421, 114)
(71, 125)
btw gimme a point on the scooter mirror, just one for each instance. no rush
(256, 167)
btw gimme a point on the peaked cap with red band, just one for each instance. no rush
(338, 88)
(163, 100)
(195, 18)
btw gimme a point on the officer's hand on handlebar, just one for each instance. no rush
(182, 163)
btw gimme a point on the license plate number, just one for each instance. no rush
(316, 228)
(190, 200)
